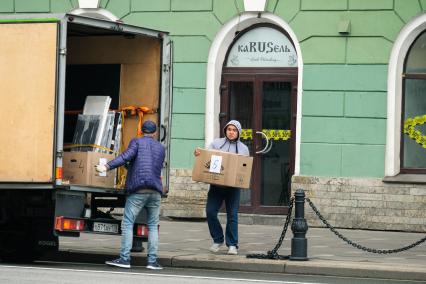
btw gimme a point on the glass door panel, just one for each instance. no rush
(241, 109)
(276, 124)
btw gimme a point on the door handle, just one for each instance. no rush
(269, 148)
(164, 133)
(267, 142)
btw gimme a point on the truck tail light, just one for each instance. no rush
(59, 173)
(68, 224)
(142, 230)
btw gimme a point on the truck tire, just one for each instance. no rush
(22, 250)
(27, 244)
(15, 247)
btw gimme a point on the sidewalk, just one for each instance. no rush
(185, 244)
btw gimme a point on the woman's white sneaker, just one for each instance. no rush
(232, 250)
(215, 247)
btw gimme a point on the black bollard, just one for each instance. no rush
(299, 243)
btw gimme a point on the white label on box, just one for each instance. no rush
(215, 164)
(102, 162)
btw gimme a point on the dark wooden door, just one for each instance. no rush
(264, 101)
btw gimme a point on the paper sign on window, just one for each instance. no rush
(103, 161)
(215, 164)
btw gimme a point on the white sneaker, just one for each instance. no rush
(232, 250)
(215, 247)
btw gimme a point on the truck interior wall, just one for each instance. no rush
(27, 98)
(139, 57)
(88, 80)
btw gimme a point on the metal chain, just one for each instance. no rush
(356, 245)
(272, 254)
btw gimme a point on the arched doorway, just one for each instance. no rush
(259, 88)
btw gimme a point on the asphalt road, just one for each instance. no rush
(73, 273)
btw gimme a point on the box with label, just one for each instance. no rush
(79, 168)
(222, 168)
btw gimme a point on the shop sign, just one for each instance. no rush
(262, 47)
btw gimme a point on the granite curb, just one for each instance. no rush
(241, 263)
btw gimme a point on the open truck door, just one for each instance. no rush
(28, 67)
(28, 96)
(166, 105)
(49, 65)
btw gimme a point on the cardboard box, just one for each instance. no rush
(79, 168)
(222, 168)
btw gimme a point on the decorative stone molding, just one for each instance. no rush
(186, 198)
(254, 5)
(352, 203)
(91, 4)
(364, 203)
(90, 8)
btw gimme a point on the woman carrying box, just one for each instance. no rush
(231, 195)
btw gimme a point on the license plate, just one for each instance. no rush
(105, 227)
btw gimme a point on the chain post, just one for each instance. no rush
(299, 243)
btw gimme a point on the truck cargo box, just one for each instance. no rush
(50, 63)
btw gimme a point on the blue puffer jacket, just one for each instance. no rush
(146, 157)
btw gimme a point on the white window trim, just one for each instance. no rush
(217, 53)
(396, 64)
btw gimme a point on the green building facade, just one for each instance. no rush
(353, 91)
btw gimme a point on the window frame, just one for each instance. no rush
(402, 43)
(411, 76)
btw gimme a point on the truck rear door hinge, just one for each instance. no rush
(63, 51)
(166, 67)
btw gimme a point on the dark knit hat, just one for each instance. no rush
(149, 127)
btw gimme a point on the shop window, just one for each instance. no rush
(413, 120)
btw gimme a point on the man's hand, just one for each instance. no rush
(197, 152)
(101, 168)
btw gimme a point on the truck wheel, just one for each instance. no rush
(26, 250)
(27, 245)
(18, 249)
(19, 256)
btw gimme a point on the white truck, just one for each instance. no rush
(49, 64)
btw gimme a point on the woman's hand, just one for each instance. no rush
(197, 152)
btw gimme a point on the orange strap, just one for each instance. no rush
(70, 146)
(132, 110)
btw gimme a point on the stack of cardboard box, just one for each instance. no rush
(94, 139)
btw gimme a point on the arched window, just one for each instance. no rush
(406, 105)
(413, 121)
(262, 46)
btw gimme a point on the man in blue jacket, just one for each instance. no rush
(144, 188)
